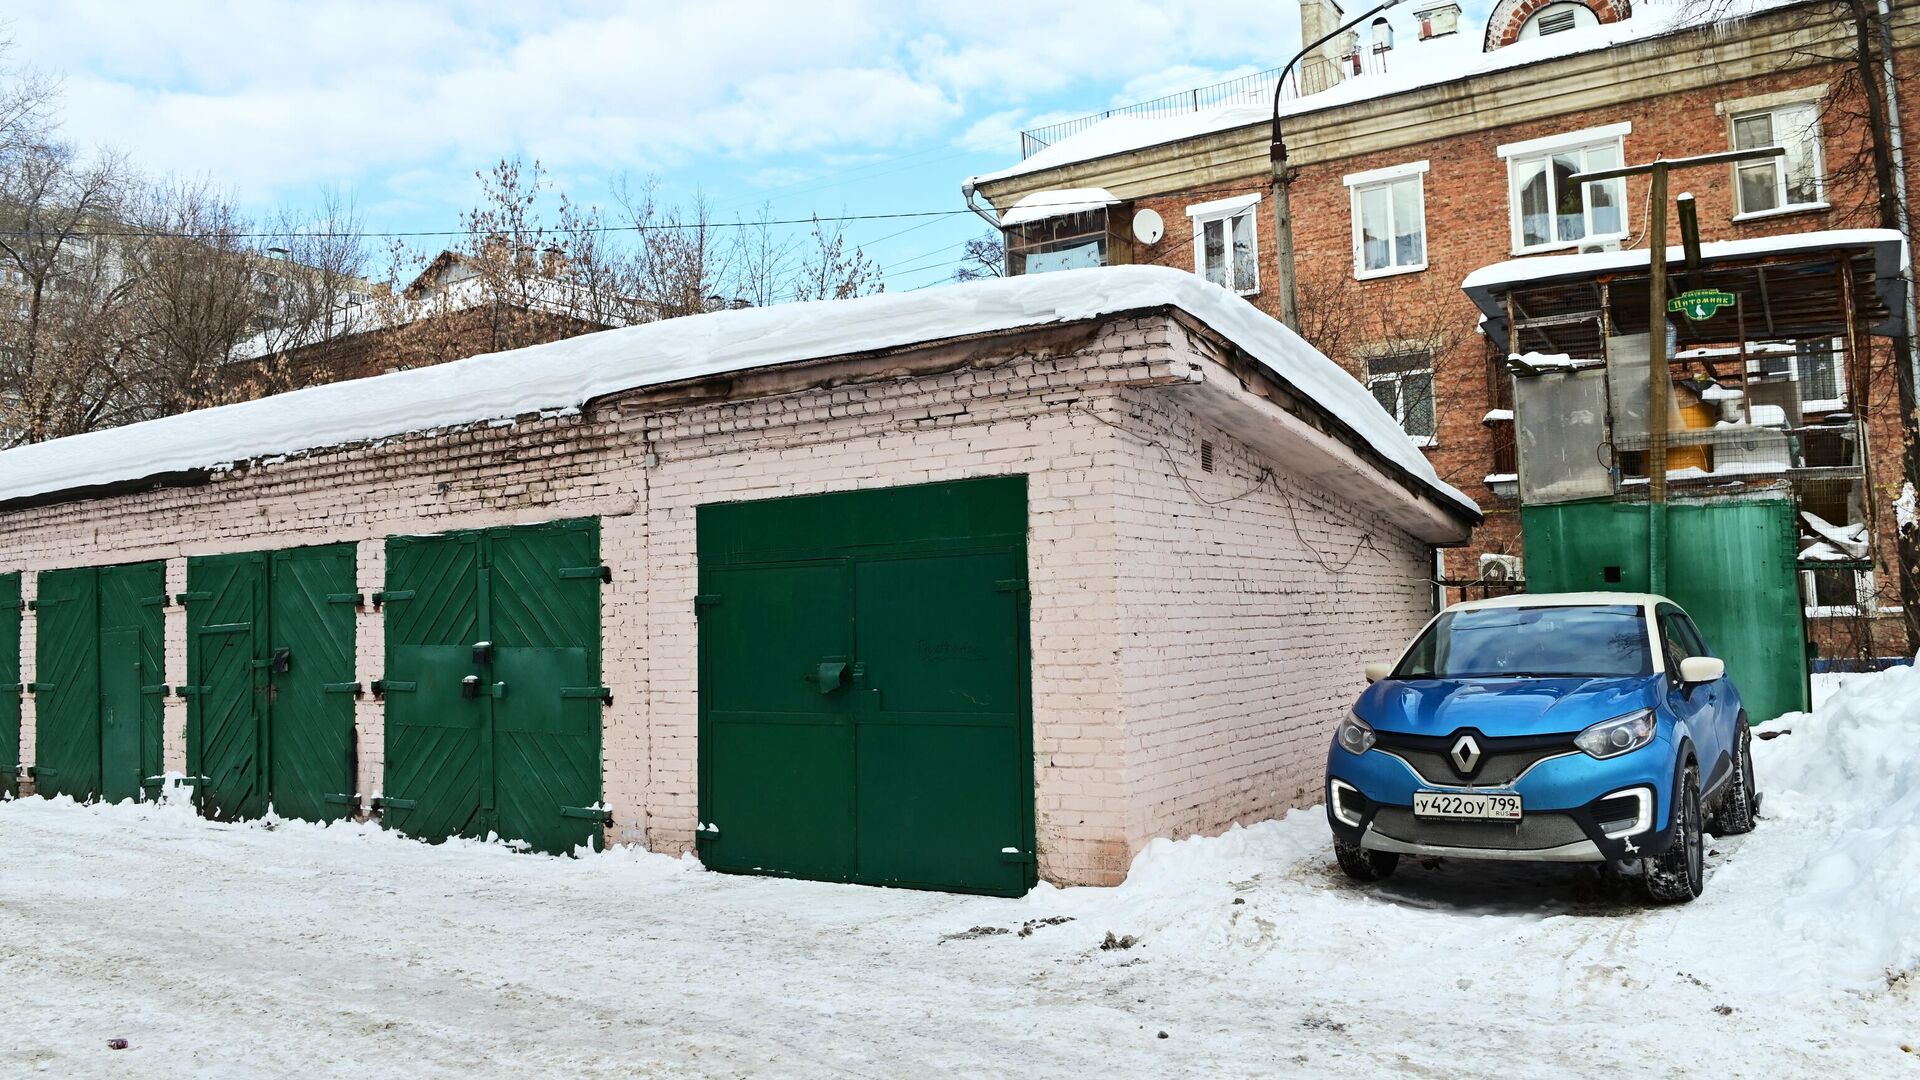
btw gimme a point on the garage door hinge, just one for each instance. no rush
(157, 688)
(340, 688)
(588, 813)
(354, 598)
(190, 597)
(604, 573)
(12, 687)
(706, 830)
(706, 600)
(154, 601)
(189, 691)
(391, 596)
(11, 605)
(605, 695)
(1015, 855)
(40, 687)
(1012, 585)
(381, 806)
(342, 800)
(394, 686)
(39, 773)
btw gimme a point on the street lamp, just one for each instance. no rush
(1282, 215)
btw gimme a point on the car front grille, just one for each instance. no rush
(1533, 832)
(1497, 770)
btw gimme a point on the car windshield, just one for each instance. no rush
(1536, 642)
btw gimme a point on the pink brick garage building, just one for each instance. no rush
(958, 589)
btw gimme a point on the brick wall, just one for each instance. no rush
(1468, 226)
(1123, 749)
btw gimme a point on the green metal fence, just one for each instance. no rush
(1730, 563)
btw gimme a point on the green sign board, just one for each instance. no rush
(1699, 304)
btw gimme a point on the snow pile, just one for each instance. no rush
(1058, 202)
(1842, 794)
(1826, 541)
(565, 375)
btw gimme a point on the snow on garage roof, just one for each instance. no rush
(1057, 202)
(567, 374)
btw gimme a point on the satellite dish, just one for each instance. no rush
(1147, 227)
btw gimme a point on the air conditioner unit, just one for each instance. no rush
(1603, 246)
(1501, 569)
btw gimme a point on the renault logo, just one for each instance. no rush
(1465, 755)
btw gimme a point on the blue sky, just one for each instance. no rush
(830, 107)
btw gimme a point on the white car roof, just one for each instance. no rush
(1565, 599)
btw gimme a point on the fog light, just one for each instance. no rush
(1346, 801)
(1637, 801)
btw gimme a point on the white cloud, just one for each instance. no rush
(279, 96)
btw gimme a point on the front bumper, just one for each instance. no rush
(1575, 809)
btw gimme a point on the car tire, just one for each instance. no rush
(1739, 806)
(1679, 874)
(1363, 865)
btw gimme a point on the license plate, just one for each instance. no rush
(1448, 804)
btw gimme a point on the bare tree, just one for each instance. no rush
(982, 257)
(679, 258)
(762, 260)
(829, 271)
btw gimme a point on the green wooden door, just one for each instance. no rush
(226, 691)
(544, 671)
(776, 736)
(939, 705)
(493, 685)
(66, 686)
(863, 695)
(310, 747)
(10, 684)
(133, 601)
(438, 737)
(120, 723)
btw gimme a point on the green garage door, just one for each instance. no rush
(270, 644)
(863, 687)
(10, 686)
(492, 686)
(97, 684)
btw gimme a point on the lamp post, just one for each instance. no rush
(1282, 214)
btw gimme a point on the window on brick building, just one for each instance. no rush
(1548, 212)
(1389, 220)
(1841, 591)
(1225, 250)
(1403, 385)
(1819, 367)
(1784, 182)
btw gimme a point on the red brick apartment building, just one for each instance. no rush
(1422, 150)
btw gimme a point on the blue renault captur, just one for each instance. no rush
(1559, 727)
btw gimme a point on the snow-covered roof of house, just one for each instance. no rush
(1444, 59)
(1057, 202)
(568, 374)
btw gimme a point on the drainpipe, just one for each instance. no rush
(1277, 153)
(1899, 177)
(967, 189)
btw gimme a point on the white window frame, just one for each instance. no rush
(1741, 213)
(1840, 380)
(1361, 182)
(1400, 398)
(1613, 135)
(1865, 593)
(1225, 210)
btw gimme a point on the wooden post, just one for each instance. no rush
(1659, 380)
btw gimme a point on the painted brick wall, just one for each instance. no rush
(1249, 601)
(1135, 734)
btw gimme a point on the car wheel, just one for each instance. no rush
(1737, 809)
(1363, 865)
(1679, 874)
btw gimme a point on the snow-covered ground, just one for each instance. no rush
(249, 951)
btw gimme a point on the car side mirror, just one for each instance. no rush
(1701, 669)
(1378, 670)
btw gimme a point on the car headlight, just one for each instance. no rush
(1354, 735)
(1611, 738)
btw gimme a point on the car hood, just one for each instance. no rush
(1502, 707)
